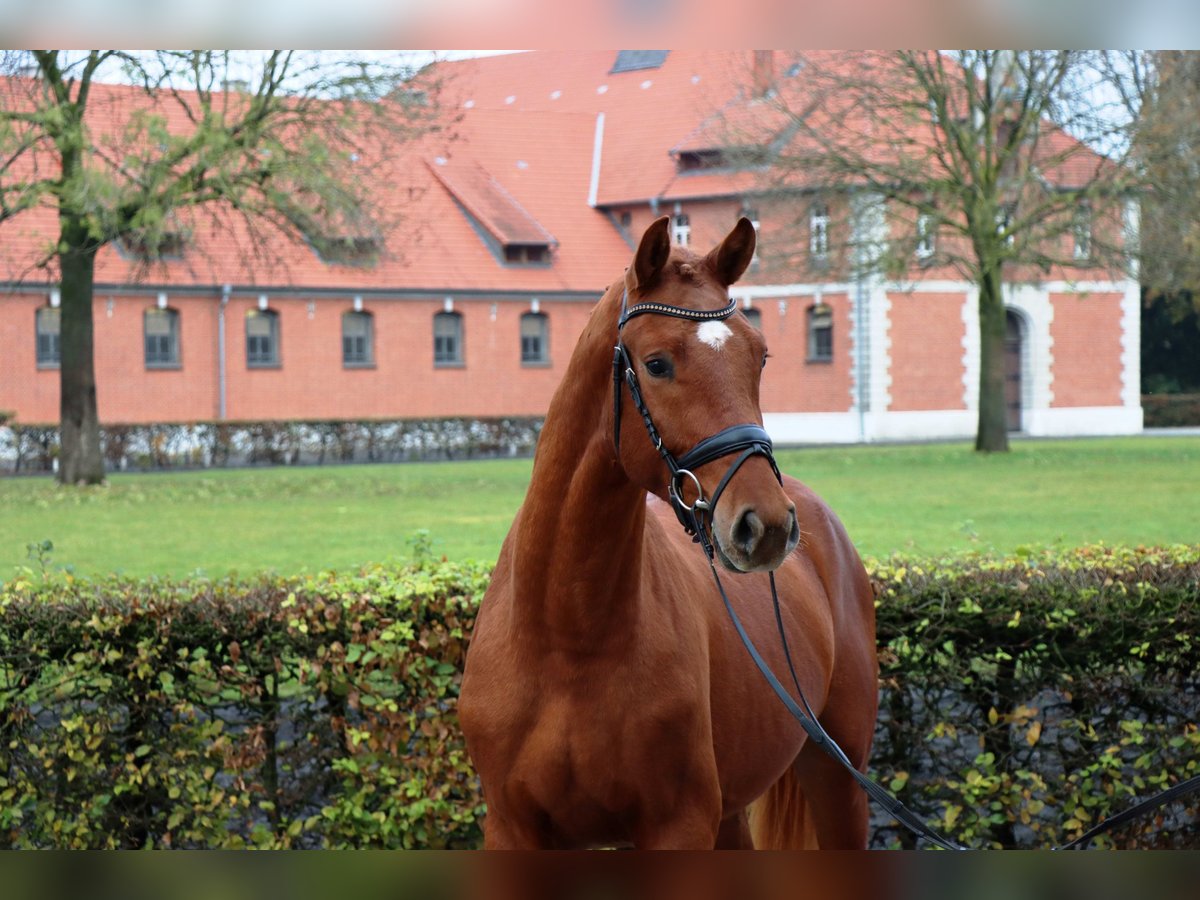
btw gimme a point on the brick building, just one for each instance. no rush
(560, 161)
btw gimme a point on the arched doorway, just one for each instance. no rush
(1014, 328)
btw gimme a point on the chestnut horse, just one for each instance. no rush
(607, 700)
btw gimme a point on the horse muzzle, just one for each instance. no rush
(751, 540)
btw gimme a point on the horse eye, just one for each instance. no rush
(657, 367)
(766, 356)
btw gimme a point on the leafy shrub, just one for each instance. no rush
(1025, 700)
(1020, 702)
(277, 713)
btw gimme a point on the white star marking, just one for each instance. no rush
(714, 333)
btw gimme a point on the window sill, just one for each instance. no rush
(358, 365)
(274, 365)
(818, 360)
(449, 365)
(163, 367)
(536, 364)
(48, 367)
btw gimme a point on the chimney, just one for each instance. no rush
(763, 72)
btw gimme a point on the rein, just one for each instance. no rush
(752, 440)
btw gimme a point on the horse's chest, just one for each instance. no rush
(600, 751)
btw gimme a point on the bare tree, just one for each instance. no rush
(282, 143)
(1003, 166)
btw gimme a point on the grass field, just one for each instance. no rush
(928, 499)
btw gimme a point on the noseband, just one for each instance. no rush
(746, 440)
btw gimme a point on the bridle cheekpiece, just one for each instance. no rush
(747, 440)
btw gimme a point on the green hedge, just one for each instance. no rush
(277, 713)
(1020, 701)
(1023, 701)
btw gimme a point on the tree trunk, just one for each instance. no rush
(992, 435)
(80, 460)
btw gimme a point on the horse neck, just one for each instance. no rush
(578, 543)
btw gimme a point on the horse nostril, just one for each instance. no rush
(748, 530)
(794, 534)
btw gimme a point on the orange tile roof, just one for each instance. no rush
(522, 160)
(487, 200)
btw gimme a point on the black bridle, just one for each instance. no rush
(752, 440)
(746, 440)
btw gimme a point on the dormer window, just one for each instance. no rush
(168, 245)
(346, 251)
(527, 254)
(700, 160)
(638, 60)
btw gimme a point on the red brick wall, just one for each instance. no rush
(1086, 335)
(927, 351)
(790, 382)
(127, 391)
(29, 392)
(311, 381)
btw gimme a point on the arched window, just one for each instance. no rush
(48, 325)
(262, 338)
(535, 339)
(358, 339)
(820, 333)
(447, 339)
(161, 332)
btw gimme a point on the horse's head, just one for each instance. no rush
(697, 376)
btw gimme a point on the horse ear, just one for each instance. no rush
(651, 255)
(730, 258)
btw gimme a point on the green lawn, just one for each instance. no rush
(924, 499)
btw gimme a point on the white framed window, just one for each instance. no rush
(262, 338)
(1004, 223)
(818, 232)
(681, 229)
(161, 330)
(358, 339)
(447, 339)
(48, 328)
(1081, 229)
(926, 237)
(820, 333)
(535, 339)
